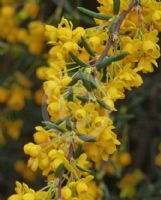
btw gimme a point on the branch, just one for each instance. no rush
(118, 24)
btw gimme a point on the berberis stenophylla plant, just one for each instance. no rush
(88, 70)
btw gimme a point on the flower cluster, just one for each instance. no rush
(121, 160)
(12, 17)
(21, 167)
(88, 70)
(14, 91)
(129, 183)
(15, 36)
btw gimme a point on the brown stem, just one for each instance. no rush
(115, 31)
(59, 186)
(139, 10)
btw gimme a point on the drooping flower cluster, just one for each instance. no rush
(15, 36)
(88, 70)
(14, 91)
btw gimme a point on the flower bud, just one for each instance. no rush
(32, 149)
(66, 192)
(125, 159)
(80, 114)
(81, 187)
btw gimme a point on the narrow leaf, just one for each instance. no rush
(59, 170)
(87, 47)
(70, 95)
(116, 6)
(93, 14)
(109, 60)
(86, 83)
(52, 125)
(103, 104)
(78, 151)
(92, 81)
(68, 124)
(86, 138)
(60, 120)
(77, 60)
(84, 99)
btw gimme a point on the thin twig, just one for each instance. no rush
(115, 31)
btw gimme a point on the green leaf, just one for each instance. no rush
(60, 120)
(87, 47)
(52, 125)
(77, 60)
(116, 6)
(93, 14)
(86, 83)
(92, 81)
(115, 168)
(103, 104)
(59, 170)
(73, 67)
(78, 151)
(109, 60)
(87, 20)
(70, 95)
(84, 99)
(86, 138)
(68, 124)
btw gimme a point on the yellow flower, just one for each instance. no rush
(7, 11)
(32, 9)
(80, 114)
(81, 187)
(23, 192)
(55, 164)
(3, 95)
(158, 160)
(28, 196)
(32, 149)
(14, 128)
(41, 136)
(15, 197)
(82, 161)
(146, 65)
(51, 34)
(125, 158)
(66, 192)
